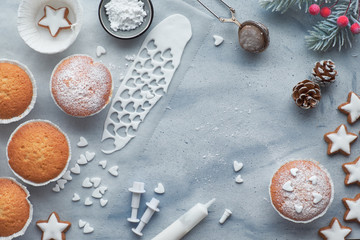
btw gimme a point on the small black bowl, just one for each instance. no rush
(105, 23)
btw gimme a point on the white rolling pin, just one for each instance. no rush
(185, 223)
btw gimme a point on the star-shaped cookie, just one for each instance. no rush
(335, 231)
(351, 107)
(55, 20)
(352, 209)
(352, 170)
(53, 228)
(339, 140)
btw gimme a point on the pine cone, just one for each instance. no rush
(306, 94)
(324, 72)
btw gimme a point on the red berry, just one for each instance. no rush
(325, 12)
(342, 21)
(314, 9)
(355, 28)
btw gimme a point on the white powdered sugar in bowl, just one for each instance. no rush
(125, 15)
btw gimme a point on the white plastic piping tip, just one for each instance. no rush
(225, 216)
(137, 230)
(149, 212)
(208, 204)
(133, 220)
(138, 187)
(153, 204)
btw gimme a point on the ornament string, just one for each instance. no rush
(221, 19)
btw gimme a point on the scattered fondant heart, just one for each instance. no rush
(218, 40)
(287, 186)
(88, 202)
(67, 176)
(96, 193)
(81, 223)
(75, 169)
(239, 179)
(159, 189)
(89, 155)
(61, 183)
(103, 202)
(82, 142)
(103, 164)
(102, 189)
(294, 171)
(56, 188)
(313, 180)
(82, 160)
(149, 95)
(100, 50)
(317, 197)
(96, 181)
(114, 171)
(238, 166)
(298, 208)
(86, 183)
(76, 197)
(88, 228)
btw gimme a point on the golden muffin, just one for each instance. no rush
(38, 152)
(16, 91)
(81, 87)
(15, 208)
(301, 191)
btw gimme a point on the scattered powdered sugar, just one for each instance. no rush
(125, 15)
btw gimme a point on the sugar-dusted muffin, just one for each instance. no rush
(15, 209)
(81, 87)
(38, 152)
(17, 91)
(301, 191)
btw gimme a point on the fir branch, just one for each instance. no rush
(326, 34)
(283, 5)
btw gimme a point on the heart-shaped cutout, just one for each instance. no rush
(61, 183)
(88, 202)
(294, 171)
(238, 166)
(96, 181)
(102, 189)
(317, 197)
(67, 176)
(75, 169)
(239, 179)
(82, 142)
(218, 40)
(298, 208)
(287, 186)
(86, 183)
(159, 189)
(82, 160)
(100, 50)
(56, 188)
(313, 180)
(96, 193)
(81, 223)
(103, 202)
(88, 228)
(103, 164)
(114, 171)
(76, 197)
(89, 156)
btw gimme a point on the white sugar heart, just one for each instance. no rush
(56, 188)
(103, 164)
(287, 186)
(239, 179)
(82, 160)
(88, 228)
(294, 171)
(298, 208)
(61, 183)
(96, 193)
(238, 166)
(67, 175)
(159, 189)
(103, 202)
(81, 223)
(88, 202)
(218, 40)
(75, 169)
(76, 197)
(86, 183)
(114, 171)
(100, 50)
(313, 180)
(89, 155)
(150, 95)
(102, 189)
(82, 142)
(96, 181)
(317, 197)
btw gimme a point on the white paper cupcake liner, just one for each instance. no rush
(39, 38)
(51, 180)
(33, 100)
(325, 210)
(23, 230)
(53, 72)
